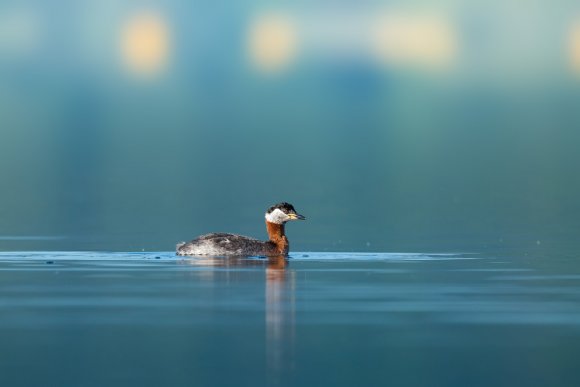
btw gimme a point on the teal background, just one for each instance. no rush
(483, 154)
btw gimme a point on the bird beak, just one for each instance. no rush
(296, 217)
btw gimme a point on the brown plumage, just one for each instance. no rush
(220, 244)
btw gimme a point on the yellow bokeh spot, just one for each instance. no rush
(426, 41)
(145, 43)
(272, 42)
(575, 47)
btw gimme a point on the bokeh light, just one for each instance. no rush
(272, 41)
(575, 46)
(145, 43)
(414, 40)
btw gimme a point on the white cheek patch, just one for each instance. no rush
(277, 216)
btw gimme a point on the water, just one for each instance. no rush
(463, 139)
(340, 319)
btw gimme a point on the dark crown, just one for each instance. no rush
(286, 208)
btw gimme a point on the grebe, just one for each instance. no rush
(232, 244)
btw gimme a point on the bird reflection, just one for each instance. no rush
(233, 261)
(280, 318)
(279, 307)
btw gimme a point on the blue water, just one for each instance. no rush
(336, 319)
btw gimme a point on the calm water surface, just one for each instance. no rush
(336, 319)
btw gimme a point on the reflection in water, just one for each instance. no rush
(280, 318)
(279, 308)
(235, 261)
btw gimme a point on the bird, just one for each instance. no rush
(224, 244)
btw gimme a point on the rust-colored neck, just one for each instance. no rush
(277, 236)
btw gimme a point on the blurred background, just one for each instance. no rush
(393, 126)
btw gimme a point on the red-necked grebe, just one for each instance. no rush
(232, 244)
